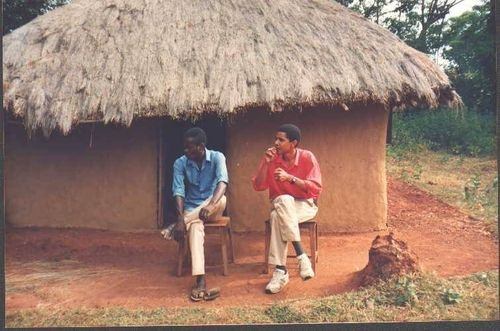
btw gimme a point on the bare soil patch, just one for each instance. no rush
(70, 268)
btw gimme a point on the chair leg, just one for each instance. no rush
(181, 253)
(317, 241)
(223, 235)
(231, 247)
(312, 242)
(267, 244)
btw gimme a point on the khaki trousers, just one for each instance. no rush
(286, 214)
(196, 233)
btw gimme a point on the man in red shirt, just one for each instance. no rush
(293, 179)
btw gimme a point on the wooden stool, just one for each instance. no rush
(312, 227)
(221, 227)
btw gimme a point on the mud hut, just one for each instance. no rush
(111, 84)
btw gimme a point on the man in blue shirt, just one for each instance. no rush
(199, 183)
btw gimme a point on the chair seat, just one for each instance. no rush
(220, 222)
(307, 223)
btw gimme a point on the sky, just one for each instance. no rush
(464, 6)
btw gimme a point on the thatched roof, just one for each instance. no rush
(116, 60)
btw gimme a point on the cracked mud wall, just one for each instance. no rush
(350, 148)
(62, 182)
(113, 185)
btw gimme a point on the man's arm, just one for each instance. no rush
(220, 190)
(179, 208)
(222, 178)
(312, 182)
(260, 182)
(283, 176)
(260, 179)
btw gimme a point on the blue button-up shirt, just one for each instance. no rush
(196, 185)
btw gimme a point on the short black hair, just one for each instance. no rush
(292, 131)
(197, 134)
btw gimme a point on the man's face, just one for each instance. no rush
(283, 144)
(192, 150)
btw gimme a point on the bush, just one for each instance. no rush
(458, 132)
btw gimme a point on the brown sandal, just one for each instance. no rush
(202, 294)
(197, 294)
(212, 294)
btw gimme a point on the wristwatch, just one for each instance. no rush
(293, 180)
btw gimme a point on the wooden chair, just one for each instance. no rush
(220, 227)
(312, 227)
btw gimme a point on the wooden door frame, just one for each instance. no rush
(160, 174)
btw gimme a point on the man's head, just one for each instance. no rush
(287, 138)
(195, 141)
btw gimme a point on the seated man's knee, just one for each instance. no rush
(196, 228)
(273, 216)
(283, 198)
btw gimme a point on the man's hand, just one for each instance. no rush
(281, 175)
(179, 230)
(206, 211)
(270, 154)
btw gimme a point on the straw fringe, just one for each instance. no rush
(116, 60)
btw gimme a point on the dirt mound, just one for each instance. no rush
(388, 256)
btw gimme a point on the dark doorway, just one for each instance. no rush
(171, 149)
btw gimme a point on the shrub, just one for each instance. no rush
(458, 132)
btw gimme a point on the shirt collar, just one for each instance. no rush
(207, 154)
(207, 158)
(295, 162)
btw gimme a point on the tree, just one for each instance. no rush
(471, 55)
(372, 9)
(19, 12)
(418, 22)
(421, 22)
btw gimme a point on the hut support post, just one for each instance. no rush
(159, 220)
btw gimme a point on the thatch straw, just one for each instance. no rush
(116, 60)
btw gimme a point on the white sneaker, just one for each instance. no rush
(278, 282)
(305, 267)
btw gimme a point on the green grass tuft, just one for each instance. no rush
(417, 297)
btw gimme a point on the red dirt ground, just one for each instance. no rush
(73, 268)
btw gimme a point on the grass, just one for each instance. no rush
(418, 297)
(468, 183)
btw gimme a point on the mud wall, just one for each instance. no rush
(350, 148)
(62, 182)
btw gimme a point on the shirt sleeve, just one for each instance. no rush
(178, 188)
(313, 178)
(263, 186)
(221, 169)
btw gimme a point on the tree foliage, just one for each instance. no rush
(470, 51)
(465, 42)
(418, 22)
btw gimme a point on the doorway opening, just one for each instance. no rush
(171, 148)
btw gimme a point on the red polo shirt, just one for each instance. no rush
(304, 167)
